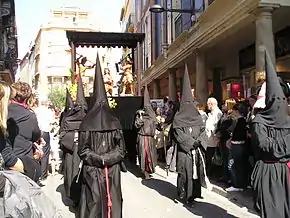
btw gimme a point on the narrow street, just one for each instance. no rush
(154, 199)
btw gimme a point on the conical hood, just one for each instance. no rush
(188, 115)
(186, 95)
(68, 101)
(81, 100)
(100, 117)
(99, 93)
(275, 114)
(147, 104)
(146, 97)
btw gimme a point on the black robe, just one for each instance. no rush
(272, 150)
(68, 140)
(146, 150)
(188, 188)
(99, 149)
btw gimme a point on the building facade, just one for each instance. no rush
(8, 41)
(48, 62)
(220, 42)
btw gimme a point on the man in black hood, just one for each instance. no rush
(270, 137)
(102, 149)
(145, 123)
(187, 128)
(69, 135)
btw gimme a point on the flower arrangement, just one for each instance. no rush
(112, 103)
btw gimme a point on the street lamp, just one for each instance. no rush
(160, 9)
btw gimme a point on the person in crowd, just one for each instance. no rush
(159, 135)
(270, 136)
(224, 131)
(145, 123)
(210, 129)
(23, 129)
(45, 118)
(11, 161)
(187, 127)
(166, 106)
(171, 153)
(252, 101)
(102, 150)
(238, 150)
(201, 110)
(154, 106)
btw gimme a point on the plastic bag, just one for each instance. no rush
(217, 157)
(24, 198)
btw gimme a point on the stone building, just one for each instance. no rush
(8, 41)
(219, 41)
(47, 63)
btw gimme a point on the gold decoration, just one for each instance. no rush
(112, 103)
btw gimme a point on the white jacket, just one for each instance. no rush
(211, 126)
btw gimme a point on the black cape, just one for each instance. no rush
(101, 144)
(271, 145)
(145, 123)
(70, 124)
(187, 128)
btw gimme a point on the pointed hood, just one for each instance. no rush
(275, 114)
(100, 117)
(68, 101)
(80, 98)
(147, 104)
(188, 115)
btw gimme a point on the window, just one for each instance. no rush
(178, 26)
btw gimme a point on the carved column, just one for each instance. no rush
(264, 37)
(172, 84)
(201, 79)
(156, 89)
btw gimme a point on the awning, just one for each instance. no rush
(105, 39)
(6, 76)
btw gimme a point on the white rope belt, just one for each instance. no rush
(238, 142)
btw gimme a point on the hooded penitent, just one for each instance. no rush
(188, 115)
(275, 113)
(145, 123)
(271, 145)
(69, 134)
(101, 147)
(187, 127)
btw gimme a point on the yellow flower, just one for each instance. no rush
(112, 103)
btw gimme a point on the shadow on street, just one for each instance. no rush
(66, 201)
(203, 209)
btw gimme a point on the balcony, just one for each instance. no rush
(220, 19)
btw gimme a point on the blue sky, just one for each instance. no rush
(30, 14)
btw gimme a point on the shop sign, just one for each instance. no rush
(4, 11)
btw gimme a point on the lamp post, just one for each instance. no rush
(160, 9)
(157, 9)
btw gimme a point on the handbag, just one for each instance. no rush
(217, 158)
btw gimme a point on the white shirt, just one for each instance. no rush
(45, 118)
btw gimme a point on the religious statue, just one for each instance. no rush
(128, 79)
(82, 66)
(108, 81)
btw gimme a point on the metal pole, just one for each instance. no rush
(73, 57)
(165, 29)
(139, 70)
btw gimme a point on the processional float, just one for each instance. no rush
(125, 106)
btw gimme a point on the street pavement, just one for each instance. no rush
(154, 198)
